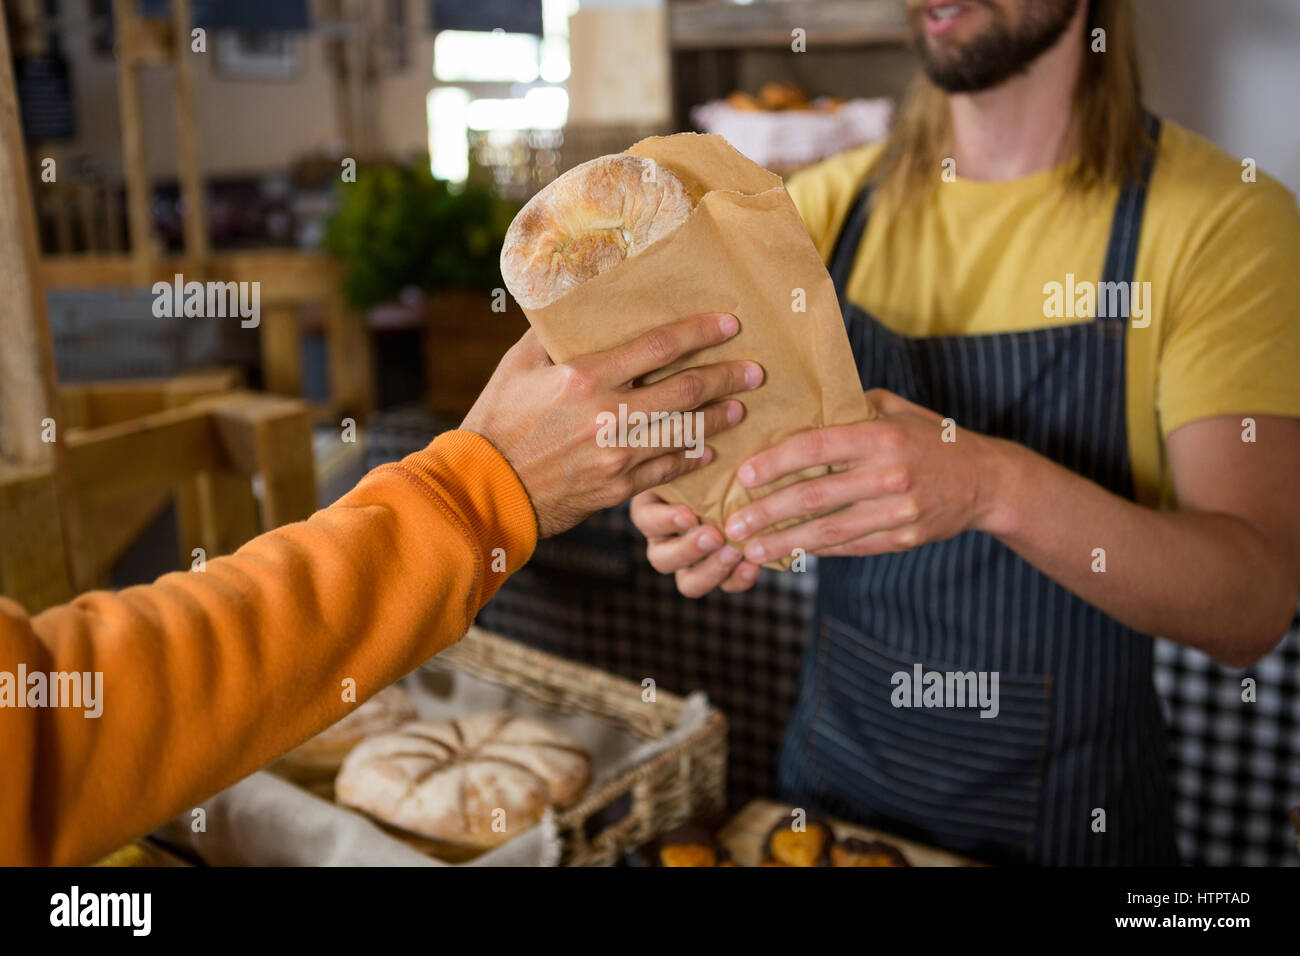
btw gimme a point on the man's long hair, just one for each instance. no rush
(1108, 118)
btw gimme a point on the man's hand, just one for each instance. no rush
(693, 553)
(904, 486)
(543, 417)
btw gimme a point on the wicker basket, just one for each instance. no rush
(686, 780)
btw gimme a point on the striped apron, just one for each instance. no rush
(1072, 769)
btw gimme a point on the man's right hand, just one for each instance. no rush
(694, 554)
(543, 417)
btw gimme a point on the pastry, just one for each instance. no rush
(808, 845)
(855, 852)
(587, 221)
(690, 846)
(688, 854)
(318, 759)
(782, 96)
(473, 782)
(743, 101)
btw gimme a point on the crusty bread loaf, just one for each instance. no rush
(589, 220)
(447, 780)
(318, 758)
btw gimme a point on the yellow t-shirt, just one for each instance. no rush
(1222, 257)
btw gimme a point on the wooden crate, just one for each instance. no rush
(130, 448)
(463, 345)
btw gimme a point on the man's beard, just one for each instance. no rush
(1000, 52)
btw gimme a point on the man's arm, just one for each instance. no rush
(207, 676)
(1221, 574)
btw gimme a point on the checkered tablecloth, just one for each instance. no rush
(1235, 764)
(590, 595)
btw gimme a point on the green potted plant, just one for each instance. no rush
(399, 227)
(421, 255)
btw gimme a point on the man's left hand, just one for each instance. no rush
(912, 477)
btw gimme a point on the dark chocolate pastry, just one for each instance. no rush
(806, 846)
(855, 852)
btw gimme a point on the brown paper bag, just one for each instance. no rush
(746, 251)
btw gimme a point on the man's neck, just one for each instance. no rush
(1024, 125)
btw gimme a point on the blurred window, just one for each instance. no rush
(496, 56)
(544, 107)
(503, 83)
(265, 56)
(448, 155)
(512, 16)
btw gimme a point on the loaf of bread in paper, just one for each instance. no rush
(589, 220)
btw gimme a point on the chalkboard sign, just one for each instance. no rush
(285, 16)
(512, 16)
(45, 98)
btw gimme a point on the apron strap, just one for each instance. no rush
(1121, 254)
(846, 244)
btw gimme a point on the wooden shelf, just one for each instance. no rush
(840, 23)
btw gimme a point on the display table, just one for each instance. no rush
(744, 834)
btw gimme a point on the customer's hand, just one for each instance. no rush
(693, 553)
(543, 417)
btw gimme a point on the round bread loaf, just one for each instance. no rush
(318, 758)
(589, 220)
(447, 780)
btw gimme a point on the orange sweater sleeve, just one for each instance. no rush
(208, 676)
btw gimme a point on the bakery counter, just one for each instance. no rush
(490, 754)
(767, 833)
(744, 837)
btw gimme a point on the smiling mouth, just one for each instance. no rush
(940, 16)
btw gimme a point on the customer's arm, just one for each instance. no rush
(209, 675)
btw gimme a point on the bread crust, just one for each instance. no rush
(587, 221)
(447, 780)
(319, 757)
